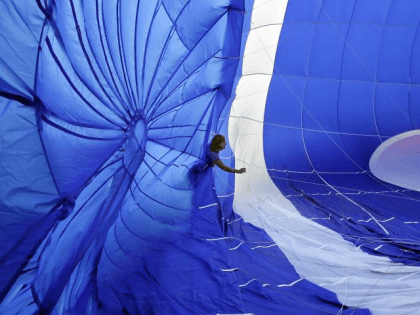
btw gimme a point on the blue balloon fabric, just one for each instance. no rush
(108, 204)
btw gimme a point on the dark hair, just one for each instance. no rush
(216, 141)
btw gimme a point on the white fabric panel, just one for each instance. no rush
(258, 57)
(319, 255)
(397, 160)
(268, 12)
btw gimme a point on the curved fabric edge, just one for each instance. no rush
(396, 160)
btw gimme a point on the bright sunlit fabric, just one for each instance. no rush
(109, 203)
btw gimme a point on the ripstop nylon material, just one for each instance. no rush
(107, 108)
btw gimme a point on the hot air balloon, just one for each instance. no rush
(108, 106)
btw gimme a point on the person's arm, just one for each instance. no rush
(227, 168)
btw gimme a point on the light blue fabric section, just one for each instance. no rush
(21, 26)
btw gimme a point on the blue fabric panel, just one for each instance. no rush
(353, 144)
(302, 12)
(295, 45)
(320, 109)
(317, 142)
(78, 50)
(203, 14)
(291, 90)
(27, 193)
(113, 42)
(145, 17)
(96, 33)
(204, 52)
(78, 105)
(174, 8)
(180, 120)
(394, 64)
(293, 157)
(414, 111)
(94, 211)
(392, 104)
(327, 53)
(361, 54)
(169, 60)
(74, 155)
(414, 72)
(127, 18)
(371, 12)
(156, 48)
(404, 13)
(21, 27)
(355, 113)
(330, 12)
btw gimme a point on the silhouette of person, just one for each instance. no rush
(217, 144)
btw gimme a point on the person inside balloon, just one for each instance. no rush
(211, 158)
(218, 144)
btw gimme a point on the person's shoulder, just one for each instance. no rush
(214, 155)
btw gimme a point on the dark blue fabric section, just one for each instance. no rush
(345, 75)
(28, 195)
(21, 28)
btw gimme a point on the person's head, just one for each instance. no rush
(218, 143)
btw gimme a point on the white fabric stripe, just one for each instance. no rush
(244, 285)
(379, 221)
(233, 269)
(289, 285)
(264, 246)
(358, 279)
(203, 207)
(236, 247)
(225, 196)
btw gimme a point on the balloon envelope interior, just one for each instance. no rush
(108, 202)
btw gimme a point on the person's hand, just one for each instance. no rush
(242, 170)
